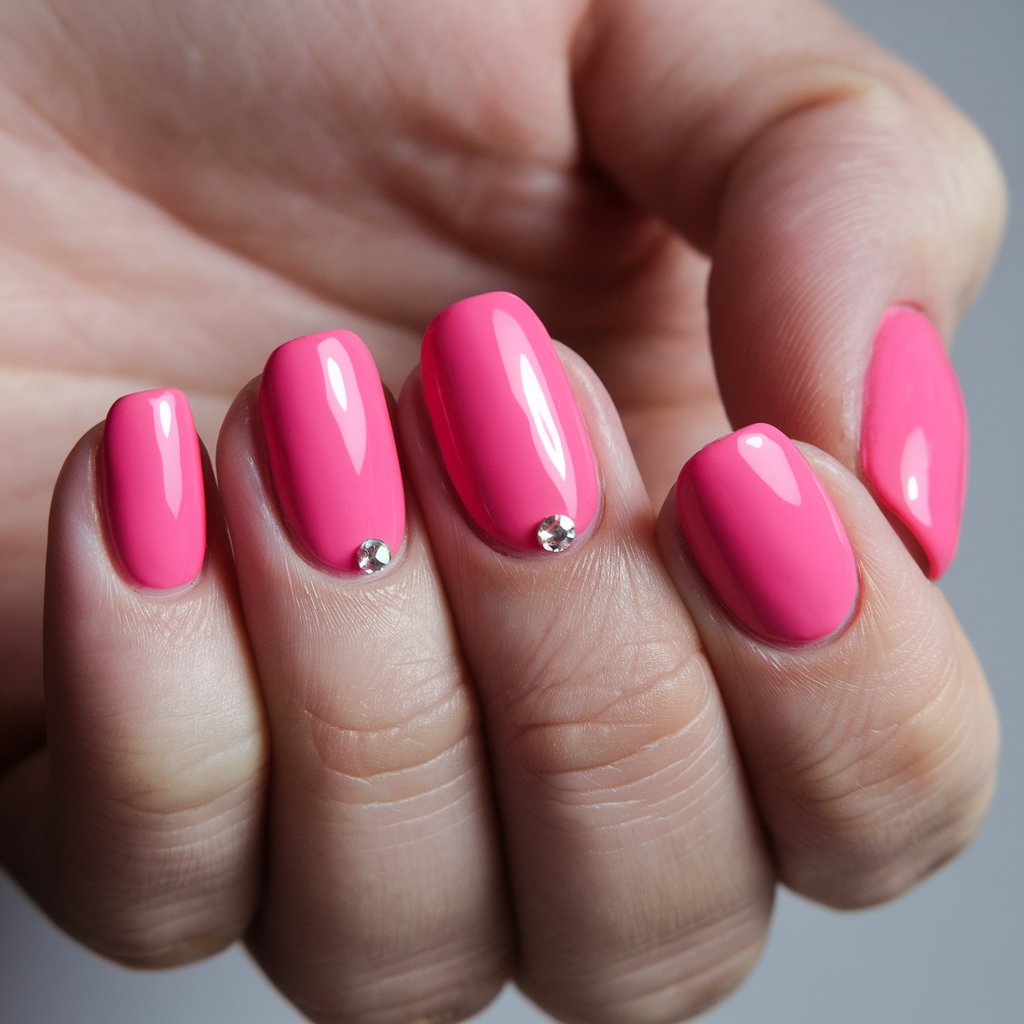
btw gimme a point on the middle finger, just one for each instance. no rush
(638, 870)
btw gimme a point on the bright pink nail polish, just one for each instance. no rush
(507, 424)
(332, 451)
(767, 537)
(153, 482)
(913, 439)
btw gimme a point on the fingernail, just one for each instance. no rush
(507, 424)
(332, 451)
(913, 442)
(153, 482)
(767, 537)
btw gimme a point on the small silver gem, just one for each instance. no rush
(556, 533)
(372, 555)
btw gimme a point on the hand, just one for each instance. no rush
(224, 181)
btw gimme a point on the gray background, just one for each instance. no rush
(950, 952)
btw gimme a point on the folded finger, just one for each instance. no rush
(861, 712)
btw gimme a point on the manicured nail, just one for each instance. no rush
(153, 479)
(507, 424)
(913, 440)
(767, 537)
(332, 451)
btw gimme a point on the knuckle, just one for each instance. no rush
(169, 895)
(934, 172)
(682, 977)
(866, 858)
(646, 759)
(419, 752)
(985, 182)
(408, 737)
(965, 184)
(608, 703)
(147, 941)
(560, 747)
(588, 721)
(434, 993)
(191, 788)
(882, 807)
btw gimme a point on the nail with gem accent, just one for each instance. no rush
(767, 537)
(913, 441)
(507, 425)
(153, 488)
(332, 451)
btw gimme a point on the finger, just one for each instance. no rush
(385, 896)
(830, 185)
(862, 714)
(640, 884)
(139, 826)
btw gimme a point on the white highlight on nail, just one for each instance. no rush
(543, 419)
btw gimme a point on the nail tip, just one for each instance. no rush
(939, 557)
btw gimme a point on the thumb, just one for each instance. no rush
(850, 214)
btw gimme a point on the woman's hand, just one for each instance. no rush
(346, 769)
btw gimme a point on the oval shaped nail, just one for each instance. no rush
(507, 424)
(767, 536)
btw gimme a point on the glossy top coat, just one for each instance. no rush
(767, 536)
(506, 421)
(914, 433)
(331, 447)
(153, 484)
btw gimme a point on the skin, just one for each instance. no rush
(395, 799)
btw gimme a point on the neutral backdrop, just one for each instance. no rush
(951, 952)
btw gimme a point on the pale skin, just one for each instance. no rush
(576, 771)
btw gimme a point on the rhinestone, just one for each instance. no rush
(556, 533)
(372, 555)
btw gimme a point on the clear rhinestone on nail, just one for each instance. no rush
(372, 555)
(556, 533)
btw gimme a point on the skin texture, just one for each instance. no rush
(598, 803)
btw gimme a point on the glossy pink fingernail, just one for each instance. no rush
(913, 440)
(153, 482)
(767, 537)
(332, 451)
(507, 424)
